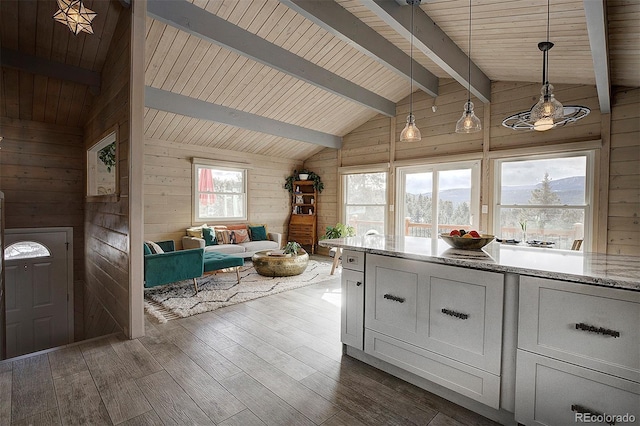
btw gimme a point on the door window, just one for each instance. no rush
(25, 250)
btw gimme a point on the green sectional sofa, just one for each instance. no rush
(172, 265)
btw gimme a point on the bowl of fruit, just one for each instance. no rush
(471, 240)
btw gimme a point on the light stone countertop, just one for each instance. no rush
(586, 268)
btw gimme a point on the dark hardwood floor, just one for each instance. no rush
(270, 361)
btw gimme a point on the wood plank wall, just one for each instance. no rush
(41, 175)
(167, 188)
(624, 173)
(372, 143)
(107, 223)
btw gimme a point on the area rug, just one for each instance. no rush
(179, 300)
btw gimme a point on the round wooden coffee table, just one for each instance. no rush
(280, 266)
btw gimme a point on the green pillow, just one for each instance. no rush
(258, 233)
(147, 250)
(209, 237)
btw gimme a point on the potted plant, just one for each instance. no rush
(317, 182)
(292, 248)
(339, 231)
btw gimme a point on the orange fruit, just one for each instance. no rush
(467, 236)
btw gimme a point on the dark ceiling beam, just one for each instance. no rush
(183, 105)
(433, 42)
(198, 22)
(48, 68)
(597, 29)
(336, 20)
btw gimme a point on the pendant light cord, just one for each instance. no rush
(411, 63)
(469, 59)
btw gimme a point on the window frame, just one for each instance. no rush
(590, 201)
(346, 172)
(195, 192)
(476, 185)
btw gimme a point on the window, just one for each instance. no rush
(544, 198)
(25, 250)
(220, 193)
(365, 202)
(437, 198)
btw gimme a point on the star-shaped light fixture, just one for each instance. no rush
(73, 14)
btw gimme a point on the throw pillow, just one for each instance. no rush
(242, 235)
(232, 237)
(155, 249)
(196, 231)
(147, 250)
(222, 236)
(209, 237)
(258, 233)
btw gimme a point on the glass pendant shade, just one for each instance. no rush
(74, 15)
(547, 111)
(469, 122)
(410, 133)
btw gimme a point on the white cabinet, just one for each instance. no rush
(352, 320)
(578, 346)
(441, 322)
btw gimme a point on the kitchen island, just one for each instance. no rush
(531, 335)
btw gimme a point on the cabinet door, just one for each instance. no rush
(352, 325)
(396, 297)
(555, 393)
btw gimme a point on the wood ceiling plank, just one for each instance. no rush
(193, 20)
(10, 28)
(77, 105)
(169, 58)
(51, 100)
(39, 92)
(27, 14)
(26, 96)
(334, 18)
(182, 65)
(64, 105)
(157, 60)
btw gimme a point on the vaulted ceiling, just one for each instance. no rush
(290, 77)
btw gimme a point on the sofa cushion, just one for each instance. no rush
(209, 237)
(260, 245)
(225, 248)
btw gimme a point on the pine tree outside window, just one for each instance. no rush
(544, 198)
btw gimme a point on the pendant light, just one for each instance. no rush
(74, 15)
(411, 133)
(469, 122)
(548, 113)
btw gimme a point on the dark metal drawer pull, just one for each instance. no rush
(359, 283)
(594, 414)
(598, 330)
(455, 314)
(394, 298)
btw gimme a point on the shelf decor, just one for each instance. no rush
(296, 176)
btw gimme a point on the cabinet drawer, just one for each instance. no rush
(551, 392)
(464, 379)
(592, 326)
(353, 260)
